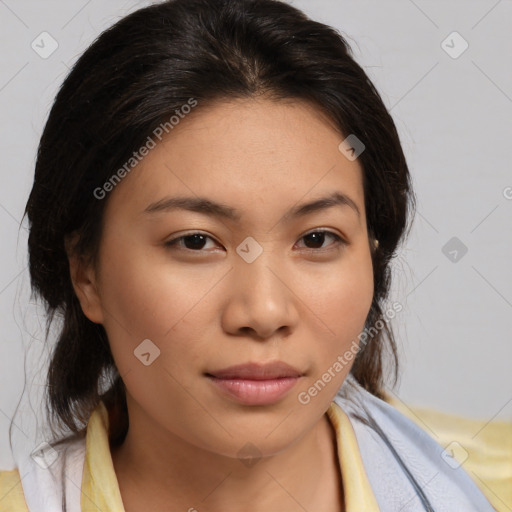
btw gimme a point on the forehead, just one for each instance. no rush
(250, 154)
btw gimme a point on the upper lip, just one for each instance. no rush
(257, 371)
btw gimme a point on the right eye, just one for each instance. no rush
(189, 242)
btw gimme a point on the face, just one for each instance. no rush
(186, 292)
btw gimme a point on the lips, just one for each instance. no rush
(255, 371)
(255, 384)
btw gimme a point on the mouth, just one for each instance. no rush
(256, 384)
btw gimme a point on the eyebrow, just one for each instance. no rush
(211, 208)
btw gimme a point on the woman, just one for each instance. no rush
(219, 191)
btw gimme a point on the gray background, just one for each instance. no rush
(454, 118)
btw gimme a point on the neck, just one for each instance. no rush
(159, 471)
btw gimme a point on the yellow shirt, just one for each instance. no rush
(100, 489)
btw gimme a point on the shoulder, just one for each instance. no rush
(400, 455)
(12, 497)
(483, 448)
(43, 477)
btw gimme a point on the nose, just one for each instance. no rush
(262, 302)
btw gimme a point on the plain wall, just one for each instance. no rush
(454, 119)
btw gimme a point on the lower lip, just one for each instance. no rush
(256, 392)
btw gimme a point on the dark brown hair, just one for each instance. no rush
(136, 75)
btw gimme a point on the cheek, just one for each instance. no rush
(146, 296)
(147, 292)
(341, 306)
(345, 295)
(143, 300)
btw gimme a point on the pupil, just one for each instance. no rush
(319, 238)
(197, 241)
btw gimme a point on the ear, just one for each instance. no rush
(83, 278)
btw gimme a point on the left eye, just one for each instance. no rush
(318, 237)
(196, 241)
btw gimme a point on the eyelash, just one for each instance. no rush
(171, 244)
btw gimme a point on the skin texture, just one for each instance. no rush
(301, 301)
